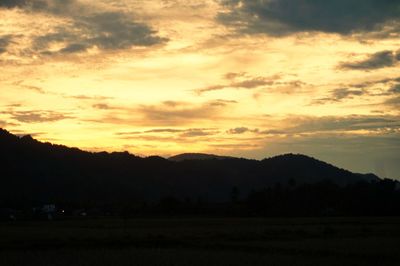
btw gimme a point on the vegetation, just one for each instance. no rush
(202, 241)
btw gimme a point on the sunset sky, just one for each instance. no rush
(250, 78)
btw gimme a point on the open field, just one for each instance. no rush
(202, 241)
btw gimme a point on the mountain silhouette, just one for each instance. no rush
(35, 172)
(196, 156)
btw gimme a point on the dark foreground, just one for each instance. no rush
(184, 241)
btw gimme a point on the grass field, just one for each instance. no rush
(201, 241)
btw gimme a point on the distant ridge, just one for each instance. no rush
(41, 172)
(197, 156)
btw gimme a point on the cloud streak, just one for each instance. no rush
(310, 124)
(374, 61)
(374, 88)
(176, 113)
(37, 116)
(241, 81)
(166, 113)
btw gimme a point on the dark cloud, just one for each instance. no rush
(342, 123)
(221, 102)
(113, 30)
(37, 116)
(198, 133)
(392, 85)
(13, 3)
(252, 83)
(5, 41)
(163, 130)
(50, 5)
(107, 30)
(338, 95)
(74, 48)
(272, 132)
(395, 88)
(299, 125)
(102, 106)
(366, 84)
(241, 81)
(394, 102)
(173, 104)
(284, 17)
(378, 60)
(234, 75)
(242, 130)
(89, 27)
(211, 88)
(387, 86)
(237, 130)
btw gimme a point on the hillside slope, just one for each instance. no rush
(33, 171)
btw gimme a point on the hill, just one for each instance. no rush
(34, 172)
(196, 156)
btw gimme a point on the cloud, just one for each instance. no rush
(235, 146)
(179, 112)
(366, 84)
(169, 134)
(395, 89)
(155, 130)
(29, 87)
(37, 116)
(222, 102)
(241, 130)
(272, 132)
(309, 124)
(102, 106)
(166, 113)
(237, 130)
(394, 102)
(340, 94)
(284, 17)
(88, 26)
(190, 133)
(163, 130)
(314, 125)
(373, 88)
(375, 61)
(13, 3)
(5, 41)
(241, 81)
(4, 124)
(88, 97)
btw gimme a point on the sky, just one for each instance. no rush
(250, 78)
